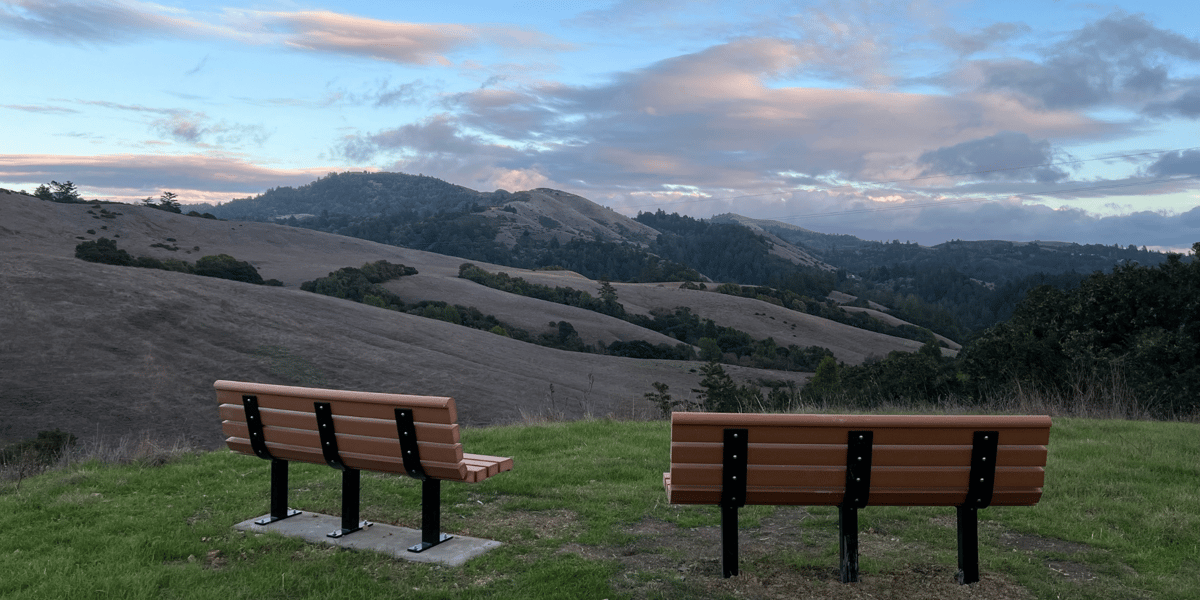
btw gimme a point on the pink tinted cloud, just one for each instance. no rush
(408, 43)
(132, 176)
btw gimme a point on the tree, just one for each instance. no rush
(167, 201)
(661, 397)
(826, 380)
(718, 392)
(710, 350)
(58, 192)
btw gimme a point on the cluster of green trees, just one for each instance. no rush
(827, 310)
(168, 201)
(362, 284)
(717, 342)
(960, 287)
(59, 192)
(221, 266)
(1136, 328)
(606, 304)
(719, 393)
(726, 252)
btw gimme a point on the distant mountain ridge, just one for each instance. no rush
(953, 288)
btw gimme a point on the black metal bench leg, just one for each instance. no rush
(279, 493)
(729, 541)
(431, 516)
(968, 545)
(848, 543)
(351, 479)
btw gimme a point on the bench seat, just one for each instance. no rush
(351, 431)
(810, 460)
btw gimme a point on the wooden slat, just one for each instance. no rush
(449, 471)
(822, 497)
(833, 454)
(383, 447)
(435, 410)
(847, 422)
(791, 434)
(383, 428)
(237, 388)
(835, 477)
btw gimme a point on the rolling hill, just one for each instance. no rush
(101, 350)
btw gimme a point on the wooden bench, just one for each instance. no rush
(852, 461)
(352, 431)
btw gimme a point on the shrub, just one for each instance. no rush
(104, 251)
(223, 266)
(45, 449)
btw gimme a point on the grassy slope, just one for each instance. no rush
(108, 351)
(584, 515)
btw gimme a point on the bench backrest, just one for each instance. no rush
(801, 459)
(364, 422)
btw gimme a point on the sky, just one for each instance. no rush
(922, 121)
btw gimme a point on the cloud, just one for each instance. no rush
(53, 110)
(1007, 156)
(132, 176)
(710, 119)
(1186, 105)
(1120, 58)
(399, 42)
(979, 40)
(125, 21)
(95, 21)
(1185, 162)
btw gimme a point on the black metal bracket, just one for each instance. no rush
(431, 489)
(350, 502)
(734, 469)
(258, 443)
(279, 490)
(406, 432)
(983, 469)
(329, 448)
(980, 487)
(858, 468)
(351, 478)
(279, 468)
(859, 445)
(431, 516)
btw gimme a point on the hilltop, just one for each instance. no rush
(105, 350)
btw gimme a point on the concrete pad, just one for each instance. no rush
(388, 539)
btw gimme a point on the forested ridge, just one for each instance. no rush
(956, 289)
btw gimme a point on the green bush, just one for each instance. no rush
(224, 266)
(104, 251)
(45, 449)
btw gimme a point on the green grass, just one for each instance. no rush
(584, 516)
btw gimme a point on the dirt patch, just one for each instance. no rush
(778, 559)
(1034, 543)
(1077, 572)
